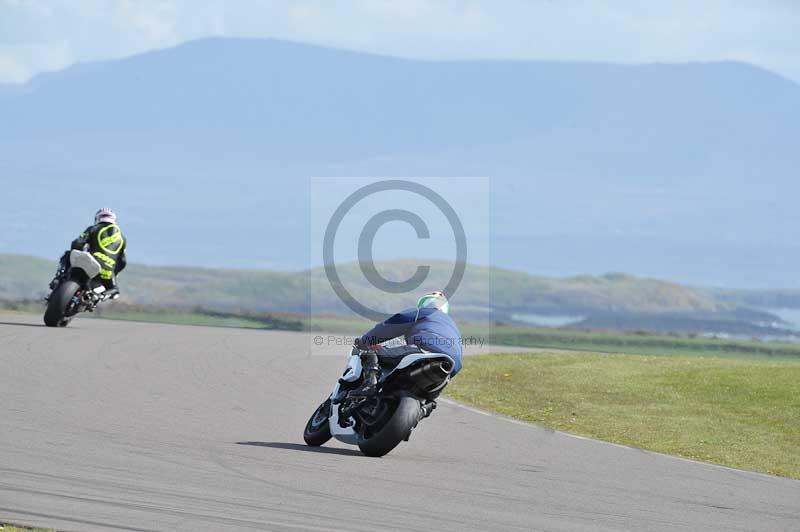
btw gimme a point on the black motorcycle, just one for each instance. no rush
(78, 289)
(408, 384)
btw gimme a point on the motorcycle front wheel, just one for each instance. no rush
(317, 430)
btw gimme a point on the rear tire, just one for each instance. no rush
(55, 315)
(397, 429)
(318, 429)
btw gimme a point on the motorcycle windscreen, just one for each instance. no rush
(84, 261)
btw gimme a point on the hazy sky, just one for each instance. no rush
(39, 35)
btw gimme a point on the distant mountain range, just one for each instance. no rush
(492, 295)
(685, 172)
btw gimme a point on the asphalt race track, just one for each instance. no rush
(134, 426)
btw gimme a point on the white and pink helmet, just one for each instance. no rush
(105, 215)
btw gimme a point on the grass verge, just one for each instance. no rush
(637, 343)
(642, 343)
(12, 528)
(739, 413)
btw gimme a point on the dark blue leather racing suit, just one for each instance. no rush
(428, 328)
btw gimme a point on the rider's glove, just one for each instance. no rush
(360, 344)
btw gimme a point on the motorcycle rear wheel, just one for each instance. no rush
(56, 313)
(396, 429)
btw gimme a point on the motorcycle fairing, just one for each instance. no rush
(84, 261)
(353, 370)
(343, 434)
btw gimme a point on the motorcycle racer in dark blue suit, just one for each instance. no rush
(427, 327)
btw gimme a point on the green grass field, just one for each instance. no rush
(204, 317)
(739, 413)
(569, 339)
(12, 528)
(642, 343)
(596, 341)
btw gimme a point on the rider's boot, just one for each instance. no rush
(369, 383)
(112, 293)
(112, 290)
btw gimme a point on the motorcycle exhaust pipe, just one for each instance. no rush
(429, 376)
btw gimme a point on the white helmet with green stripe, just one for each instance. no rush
(434, 300)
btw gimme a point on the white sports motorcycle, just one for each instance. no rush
(408, 384)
